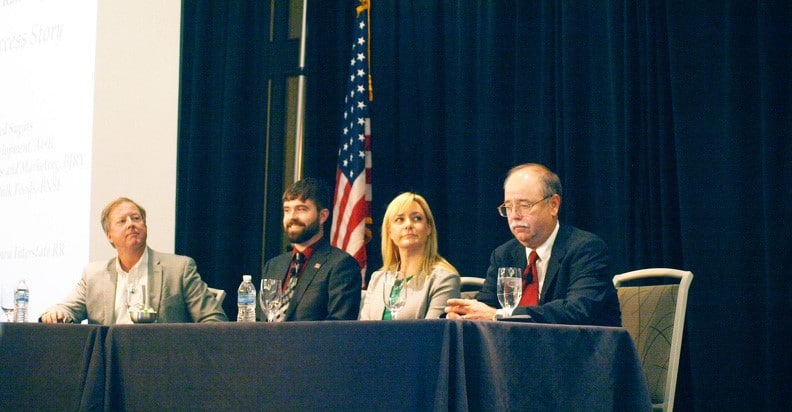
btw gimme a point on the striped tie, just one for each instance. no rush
(291, 281)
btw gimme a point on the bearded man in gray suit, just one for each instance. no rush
(138, 275)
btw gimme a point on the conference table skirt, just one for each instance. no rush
(352, 365)
(51, 367)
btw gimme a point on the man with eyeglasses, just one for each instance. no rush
(136, 277)
(565, 270)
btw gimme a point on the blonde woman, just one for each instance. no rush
(409, 245)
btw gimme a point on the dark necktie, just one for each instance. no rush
(297, 261)
(291, 281)
(530, 295)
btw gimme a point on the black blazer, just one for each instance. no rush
(578, 287)
(328, 288)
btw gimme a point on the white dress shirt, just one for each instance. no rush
(129, 292)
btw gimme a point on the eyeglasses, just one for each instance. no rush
(522, 207)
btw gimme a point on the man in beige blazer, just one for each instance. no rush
(138, 275)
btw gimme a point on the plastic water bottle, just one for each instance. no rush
(21, 299)
(246, 300)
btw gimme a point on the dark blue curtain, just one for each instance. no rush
(221, 144)
(668, 123)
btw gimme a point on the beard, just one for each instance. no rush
(301, 236)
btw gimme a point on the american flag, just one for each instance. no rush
(351, 228)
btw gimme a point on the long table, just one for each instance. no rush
(51, 367)
(363, 365)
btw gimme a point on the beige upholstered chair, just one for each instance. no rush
(220, 294)
(653, 311)
(470, 286)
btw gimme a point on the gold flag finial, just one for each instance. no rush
(364, 5)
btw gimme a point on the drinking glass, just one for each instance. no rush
(509, 288)
(270, 297)
(394, 292)
(8, 302)
(135, 296)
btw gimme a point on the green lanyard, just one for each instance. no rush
(395, 292)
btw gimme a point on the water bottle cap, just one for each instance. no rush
(246, 277)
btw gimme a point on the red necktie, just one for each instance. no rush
(530, 295)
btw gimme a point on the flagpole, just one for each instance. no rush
(301, 93)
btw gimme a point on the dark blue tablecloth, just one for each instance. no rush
(51, 367)
(353, 365)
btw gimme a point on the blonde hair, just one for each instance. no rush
(105, 217)
(390, 253)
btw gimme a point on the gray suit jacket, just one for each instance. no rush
(176, 292)
(327, 289)
(578, 287)
(425, 299)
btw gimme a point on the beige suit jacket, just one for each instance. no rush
(426, 297)
(176, 292)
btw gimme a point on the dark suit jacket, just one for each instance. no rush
(327, 289)
(578, 287)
